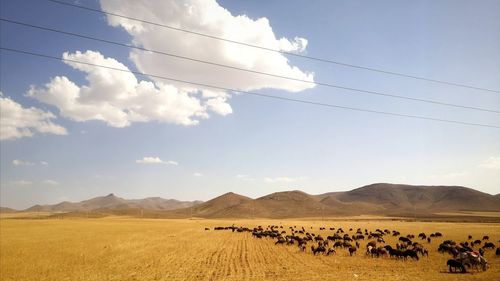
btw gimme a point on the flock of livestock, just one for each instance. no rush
(467, 254)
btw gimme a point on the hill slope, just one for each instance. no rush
(399, 197)
(217, 207)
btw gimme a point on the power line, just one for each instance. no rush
(252, 93)
(248, 70)
(280, 51)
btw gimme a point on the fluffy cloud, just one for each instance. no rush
(17, 162)
(18, 121)
(207, 16)
(197, 174)
(491, 163)
(284, 179)
(155, 160)
(120, 99)
(116, 97)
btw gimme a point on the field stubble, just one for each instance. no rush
(142, 249)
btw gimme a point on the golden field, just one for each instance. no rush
(117, 248)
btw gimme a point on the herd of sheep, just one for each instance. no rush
(466, 254)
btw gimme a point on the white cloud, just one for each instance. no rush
(50, 182)
(45, 163)
(491, 163)
(155, 160)
(197, 174)
(219, 105)
(284, 179)
(22, 183)
(17, 162)
(207, 16)
(117, 98)
(120, 99)
(18, 121)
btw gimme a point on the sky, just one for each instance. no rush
(72, 131)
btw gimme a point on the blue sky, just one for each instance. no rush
(261, 145)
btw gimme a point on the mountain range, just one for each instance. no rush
(375, 199)
(111, 201)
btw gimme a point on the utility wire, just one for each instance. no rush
(279, 51)
(251, 93)
(247, 70)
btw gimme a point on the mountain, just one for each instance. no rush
(399, 197)
(7, 210)
(112, 202)
(376, 199)
(217, 207)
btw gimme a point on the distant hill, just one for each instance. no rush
(7, 210)
(399, 197)
(375, 199)
(217, 207)
(113, 202)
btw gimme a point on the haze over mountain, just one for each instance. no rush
(7, 210)
(375, 199)
(112, 201)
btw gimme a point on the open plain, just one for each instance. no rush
(119, 248)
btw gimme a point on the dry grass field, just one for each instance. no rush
(144, 249)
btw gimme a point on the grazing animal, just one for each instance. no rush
(337, 244)
(486, 237)
(302, 247)
(352, 250)
(489, 245)
(454, 265)
(281, 241)
(319, 249)
(369, 250)
(395, 253)
(405, 240)
(372, 243)
(331, 251)
(374, 252)
(410, 253)
(497, 252)
(346, 245)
